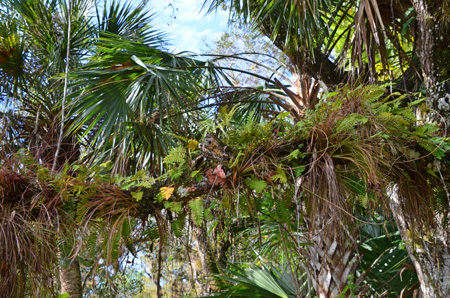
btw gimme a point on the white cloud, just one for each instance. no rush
(186, 25)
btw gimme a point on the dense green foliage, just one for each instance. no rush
(223, 179)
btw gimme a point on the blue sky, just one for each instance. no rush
(186, 26)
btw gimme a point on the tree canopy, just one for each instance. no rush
(317, 168)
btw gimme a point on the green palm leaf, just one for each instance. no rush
(130, 85)
(131, 23)
(261, 282)
(295, 23)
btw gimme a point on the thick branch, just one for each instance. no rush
(315, 64)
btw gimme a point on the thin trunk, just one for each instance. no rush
(158, 275)
(429, 250)
(71, 280)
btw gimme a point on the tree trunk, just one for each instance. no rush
(429, 250)
(332, 258)
(433, 52)
(206, 258)
(331, 262)
(71, 280)
(429, 247)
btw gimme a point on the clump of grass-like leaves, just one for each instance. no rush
(30, 218)
(360, 143)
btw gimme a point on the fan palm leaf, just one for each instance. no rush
(45, 23)
(12, 58)
(262, 282)
(296, 23)
(131, 85)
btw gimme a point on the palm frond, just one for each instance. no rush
(131, 85)
(294, 23)
(13, 60)
(128, 22)
(385, 262)
(270, 282)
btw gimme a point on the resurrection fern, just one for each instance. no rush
(176, 160)
(178, 225)
(350, 122)
(208, 215)
(197, 211)
(280, 177)
(256, 184)
(176, 173)
(294, 155)
(427, 146)
(283, 213)
(176, 155)
(426, 129)
(151, 233)
(442, 145)
(227, 117)
(442, 204)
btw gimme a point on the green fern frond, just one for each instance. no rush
(426, 145)
(294, 155)
(208, 215)
(176, 155)
(175, 173)
(281, 176)
(350, 121)
(256, 184)
(178, 225)
(283, 212)
(197, 211)
(416, 102)
(152, 233)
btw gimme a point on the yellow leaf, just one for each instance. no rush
(166, 192)
(192, 145)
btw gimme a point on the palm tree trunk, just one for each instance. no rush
(428, 249)
(331, 262)
(71, 280)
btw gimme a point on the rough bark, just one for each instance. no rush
(331, 262)
(205, 254)
(333, 257)
(428, 248)
(433, 52)
(71, 280)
